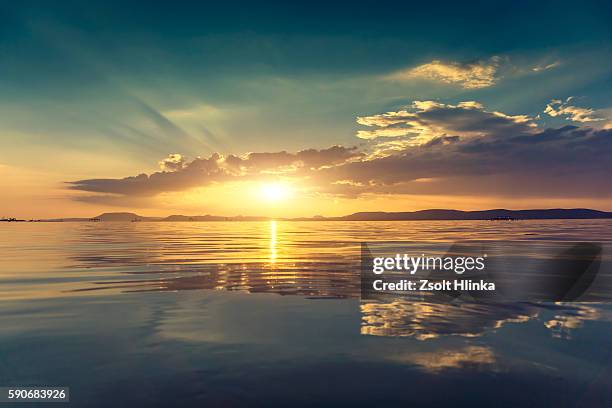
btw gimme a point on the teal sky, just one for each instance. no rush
(105, 89)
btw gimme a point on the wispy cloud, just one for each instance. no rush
(473, 75)
(546, 67)
(559, 108)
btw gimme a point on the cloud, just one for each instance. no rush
(200, 171)
(474, 75)
(558, 108)
(424, 121)
(546, 67)
(177, 174)
(283, 161)
(471, 75)
(441, 149)
(173, 162)
(566, 162)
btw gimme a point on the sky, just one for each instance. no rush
(286, 109)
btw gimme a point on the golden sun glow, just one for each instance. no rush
(275, 192)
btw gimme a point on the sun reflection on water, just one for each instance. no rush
(273, 241)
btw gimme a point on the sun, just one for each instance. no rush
(274, 192)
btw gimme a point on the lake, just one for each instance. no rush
(266, 314)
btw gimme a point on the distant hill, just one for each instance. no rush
(435, 214)
(557, 213)
(124, 216)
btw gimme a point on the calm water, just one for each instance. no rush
(268, 314)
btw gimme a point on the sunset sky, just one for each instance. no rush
(280, 109)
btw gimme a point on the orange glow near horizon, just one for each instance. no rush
(29, 194)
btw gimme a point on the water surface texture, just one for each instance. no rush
(269, 314)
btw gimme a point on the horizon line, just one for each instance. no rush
(240, 217)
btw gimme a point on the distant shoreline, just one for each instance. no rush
(422, 215)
